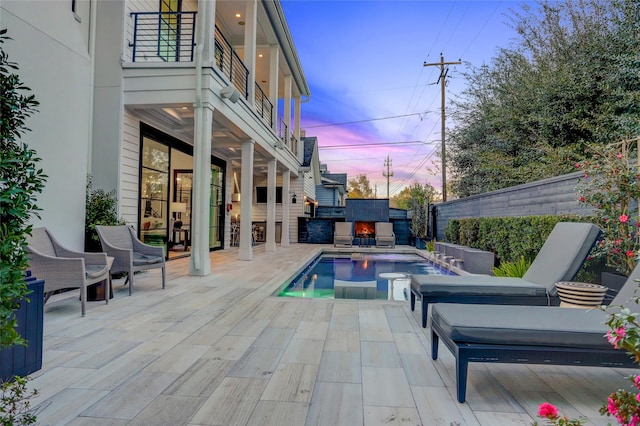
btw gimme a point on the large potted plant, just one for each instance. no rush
(20, 180)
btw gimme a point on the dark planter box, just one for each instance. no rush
(21, 360)
(613, 282)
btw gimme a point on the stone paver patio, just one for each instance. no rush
(220, 350)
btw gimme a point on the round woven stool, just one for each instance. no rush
(580, 295)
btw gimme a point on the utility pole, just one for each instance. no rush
(441, 79)
(388, 173)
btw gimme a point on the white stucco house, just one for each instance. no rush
(190, 110)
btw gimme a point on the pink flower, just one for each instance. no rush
(619, 155)
(636, 382)
(630, 253)
(624, 218)
(582, 199)
(548, 410)
(611, 406)
(618, 241)
(577, 165)
(614, 336)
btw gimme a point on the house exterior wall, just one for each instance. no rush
(52, 50)
(327, 196)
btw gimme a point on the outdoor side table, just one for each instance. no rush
(364, 240)
(392, 277)
(580, 295)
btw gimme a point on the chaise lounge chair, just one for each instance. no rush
(343, 234)
(528, 334)
(559, 259)
(384, 235)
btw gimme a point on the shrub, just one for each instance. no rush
(20, 181)
(515, 269)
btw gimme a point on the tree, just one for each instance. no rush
(421, 193)
(568, 80)
(360, 187)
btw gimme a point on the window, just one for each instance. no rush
(261, 195)
(169, 30)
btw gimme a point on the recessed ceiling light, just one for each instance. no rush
(185, 108)
(260, 55)
(240, 22)
(238, 15)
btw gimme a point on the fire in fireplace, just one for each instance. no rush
(365, 228)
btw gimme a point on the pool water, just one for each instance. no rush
(357, 276)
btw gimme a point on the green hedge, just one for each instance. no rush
(508, 237)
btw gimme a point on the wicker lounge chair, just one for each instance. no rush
(528, 334)
(343, 234)
(61, 268)
(130, 253)
(559, 259)
(384, 235)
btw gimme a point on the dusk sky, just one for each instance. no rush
(363, 61)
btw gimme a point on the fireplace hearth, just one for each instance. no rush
(364, 228)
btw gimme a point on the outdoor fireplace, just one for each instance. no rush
(364, 228)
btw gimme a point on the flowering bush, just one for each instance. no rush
(611, 182)
(550, 413)
(624, 405)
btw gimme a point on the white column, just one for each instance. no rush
(288, 80)
(250, 31)
(274, 65)
(286, 205)
(296, 124)
(271, 205)
(199, 263)
(245, 251)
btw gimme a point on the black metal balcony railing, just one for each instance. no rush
(282, 130)
(294, 144)
(170, 37)
(264, 107)
(230, 64)
(163, 36)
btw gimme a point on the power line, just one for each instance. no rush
(355, 145)
(365, 121)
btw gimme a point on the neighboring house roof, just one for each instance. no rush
(330, 183)
(340, 178)
(311, 162)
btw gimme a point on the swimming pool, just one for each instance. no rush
(357, 276)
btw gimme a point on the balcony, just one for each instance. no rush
(170, 37)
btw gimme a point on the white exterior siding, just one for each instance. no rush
(130, 169)
(51, 48)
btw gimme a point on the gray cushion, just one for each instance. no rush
(95, 271)
(475, 285)
(562, 254)
(522, 325)
(143, 259)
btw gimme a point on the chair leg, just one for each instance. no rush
(434, 345)
(425, 307)
(130, 278)
(462, 368)
(83, 299)
(163, 277)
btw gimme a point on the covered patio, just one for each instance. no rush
(221, 350)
